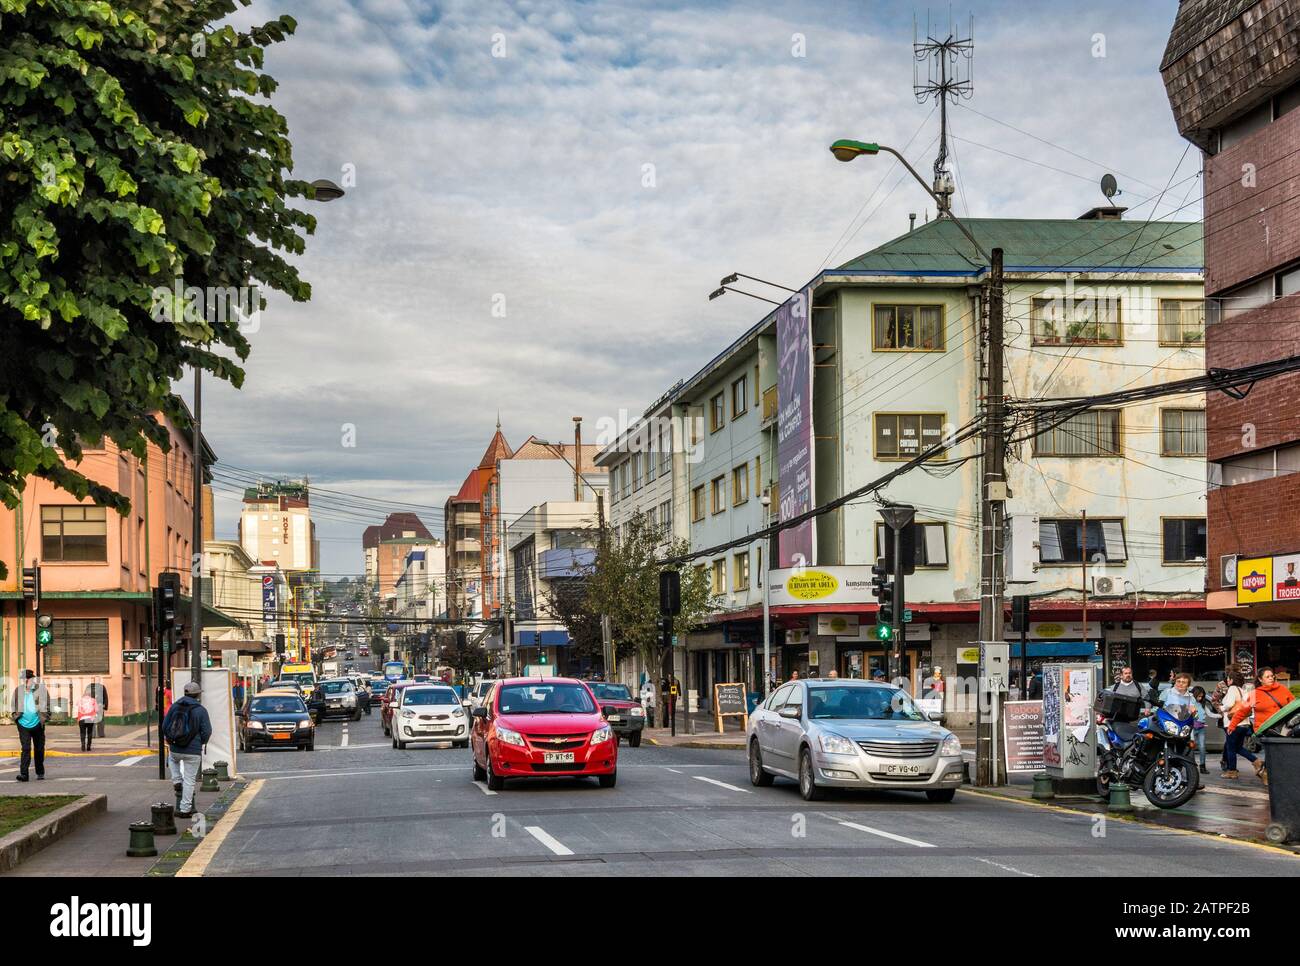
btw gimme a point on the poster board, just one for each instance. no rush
(729, 701)
(1022, 734)
(218, 701)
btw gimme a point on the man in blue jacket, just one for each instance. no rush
(187, 729)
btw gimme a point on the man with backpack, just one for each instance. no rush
(187, 729)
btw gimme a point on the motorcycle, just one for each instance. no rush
(1154, 752)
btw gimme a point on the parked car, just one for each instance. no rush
(276, 719)
(623, 712)
(542, 727)
(340, 699)
(429, 713)
(391, 695)
(826, 733)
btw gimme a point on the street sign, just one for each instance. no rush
(907, 617)
(134, 657)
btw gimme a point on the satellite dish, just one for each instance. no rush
(1109, 186)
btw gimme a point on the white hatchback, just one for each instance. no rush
(429, 712)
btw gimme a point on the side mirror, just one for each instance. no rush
(791, 711)
(938, 716)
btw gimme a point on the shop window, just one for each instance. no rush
(1062, 541)
(1183, 540)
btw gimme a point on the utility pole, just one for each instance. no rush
(196, 544)
(992, 500)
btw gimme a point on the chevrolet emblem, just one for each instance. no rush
(557, 741)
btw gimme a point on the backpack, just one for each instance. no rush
(181, 729)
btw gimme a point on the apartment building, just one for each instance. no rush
(275, 525)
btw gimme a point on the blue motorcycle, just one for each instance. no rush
(1154, 752)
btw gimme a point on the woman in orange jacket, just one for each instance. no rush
(1268, 698)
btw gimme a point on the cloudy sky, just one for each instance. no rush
(590, 170)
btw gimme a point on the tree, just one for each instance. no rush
(465, 656)
(143, 211)
(567, 601)
(624, 584)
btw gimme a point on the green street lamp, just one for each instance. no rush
(846, 150)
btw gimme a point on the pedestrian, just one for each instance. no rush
(87, 713)
(1035, 686)
(1127, 686)
(648, 700)
(101, 695)
(1238, 728)
(794, 675)
(30, 709)
(1268, 698)
(167, 698)
(833, 675)
(878, 675)
(1216, 702)
(1205, 713)
(1153, 684)
(187, 729)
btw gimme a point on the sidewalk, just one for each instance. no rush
(61, 740)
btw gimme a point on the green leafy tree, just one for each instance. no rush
(624, 584)
(567, 601)
(144, 208)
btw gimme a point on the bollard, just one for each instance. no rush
(141, 840)
(164, 819)
(1044, 791)
(210, 781)
(223, 775)
(1119, 798)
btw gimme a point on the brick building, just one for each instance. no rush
(1232, 73)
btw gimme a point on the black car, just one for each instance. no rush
(276, 721)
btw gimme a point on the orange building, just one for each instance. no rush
(97, 573)
(472, 540)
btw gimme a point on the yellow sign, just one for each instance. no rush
(968, 655)
(1174, 629)
(811, 585)
(1048, 631)
(1255, 580)
(839, 625)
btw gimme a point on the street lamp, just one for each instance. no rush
(325, 190)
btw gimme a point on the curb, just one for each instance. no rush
(714, 745)
(55, 753)
(171, 861)
(25, 842)
(1137, 819)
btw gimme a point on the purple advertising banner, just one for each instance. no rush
(794, 429)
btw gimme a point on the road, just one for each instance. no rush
(356, 806)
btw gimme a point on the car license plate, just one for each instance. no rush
(905, 769)
(557, 757)
(615, 718)
(282, 736)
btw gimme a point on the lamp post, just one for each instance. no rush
(993, 488)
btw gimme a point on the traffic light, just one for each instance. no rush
(44, 630)
(886, 613)
(879, 577)
(1020, 612)
(670, 592)
(884, 632)
(882, 588)
(541, 656)
(32, 585)
(166, 598)
(664, 625)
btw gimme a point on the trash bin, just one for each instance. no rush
(1282, 756)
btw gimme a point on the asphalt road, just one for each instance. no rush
(356, 806)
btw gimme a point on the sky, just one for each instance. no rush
(540, 197)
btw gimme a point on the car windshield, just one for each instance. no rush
(337, 687)
(545, 699)
(305, 677)
(428, 696)
(865, 702)
(612, 692)
(276, 705)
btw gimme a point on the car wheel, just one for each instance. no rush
(394, 742)
(460, 744)
(808, 778)
(356, 715)
(608, 781)
(479, 773)
(941, 794)
(634, 739)
(401, 745)
(494, 781)
(758, 775)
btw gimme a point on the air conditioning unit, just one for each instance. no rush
(1107, 587)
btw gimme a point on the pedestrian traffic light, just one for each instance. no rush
(884, 632)
(44, 630)
(541, 657)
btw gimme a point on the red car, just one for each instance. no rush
(542, 727)
(390, 698)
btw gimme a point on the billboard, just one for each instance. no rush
(794, 429)
(269, 608)
(1255, 580)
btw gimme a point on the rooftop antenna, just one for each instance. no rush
(1110, 187)
(948, 76)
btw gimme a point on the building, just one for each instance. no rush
(1232, 73)
(275, 525)
(97, 574)
(471, 538)
(255, 595)
(386, 546)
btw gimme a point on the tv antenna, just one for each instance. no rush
(948, 77)
(1110, 187)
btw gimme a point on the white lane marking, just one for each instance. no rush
(714, 781)
(86, 779)
(1006, 868)
(483, 787)
(888, 835)
(125, 762)
(673, 770)
(343, 742)
(548, 840)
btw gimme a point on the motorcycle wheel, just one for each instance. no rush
(1103, 778)
(1171, 785)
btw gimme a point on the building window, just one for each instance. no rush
(1062, 541)
(717, 413)
(900, 436)
(1080, 321)
(1182, 322)
(740, 571)
(626, 480)
(1183, 540)
(718, 494)
(908, 327)
(739, 397)
(80, 647)
(636, 471)
(666, 517)
(665, 450)
(1250, 467)
(650, 462)
(931, 544)
(74, 534)
(1092, 433)
(740, 485)
(697, 504)
(1182, 432)
(720, 576)
(700, 571)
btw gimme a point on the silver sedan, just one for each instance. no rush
(826, 733)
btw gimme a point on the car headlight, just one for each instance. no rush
(305, 723)
(407, 713)
(1171, 727)
(950, 747)
(510, 737)
(637, 712)
(601, 735)
(255, 725)
(458, 712)
(350, 700)
(835, 744)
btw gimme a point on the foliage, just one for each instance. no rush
(566, 601)
(139, 157)
(468, 658)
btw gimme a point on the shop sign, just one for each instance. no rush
(811, 585)
(1255, 580)
(1063, 631)
(968, 655)
(825, 585)
(835, 624)
(1175, 629)
(1286, 577)
(1278, 629)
